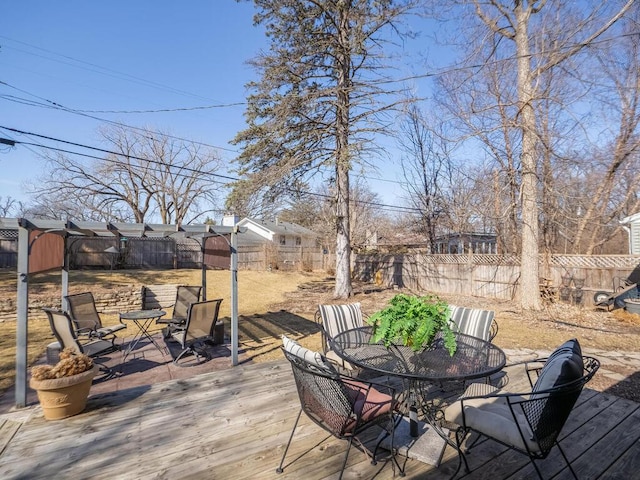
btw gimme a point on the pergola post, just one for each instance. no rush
(22, 313)
(65, 273)
(234, 295)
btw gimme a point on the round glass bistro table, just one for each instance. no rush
(419, 370)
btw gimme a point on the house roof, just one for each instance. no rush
(631, 218)
(278, 227)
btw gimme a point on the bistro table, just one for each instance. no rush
(143, 320)
(474, 358)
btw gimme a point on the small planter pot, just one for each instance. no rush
(632, 305)
(64, 397)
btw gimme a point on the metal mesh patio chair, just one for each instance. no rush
(65, 334)
(340, 405)
(185, 296)
(199, 329)
(334, 319)
(86, 319)
(527, 422)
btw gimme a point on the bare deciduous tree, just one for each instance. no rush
(146, 173)
(534, 37)
(426, 167)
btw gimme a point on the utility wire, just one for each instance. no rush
(110, 72)
(111, 152)
(395, 208)
(55, 105)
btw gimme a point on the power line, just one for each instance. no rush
(58, 106)
(111, 152)
(112, 73)
(393, 208)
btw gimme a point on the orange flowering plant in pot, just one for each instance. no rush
(63, 388)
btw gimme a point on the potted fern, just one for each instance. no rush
(413, 321)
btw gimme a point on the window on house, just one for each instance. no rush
(298, 241)
(283, 240)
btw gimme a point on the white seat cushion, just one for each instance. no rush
(493, 417)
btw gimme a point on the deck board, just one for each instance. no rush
(234, 424)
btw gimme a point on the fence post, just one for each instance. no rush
(471, 270)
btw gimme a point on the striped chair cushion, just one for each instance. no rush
(309, 356)
(471, 321)
(338, 318)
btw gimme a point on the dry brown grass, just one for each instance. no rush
(272, 303)
(256, 292)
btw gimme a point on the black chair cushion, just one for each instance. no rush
(563, 366)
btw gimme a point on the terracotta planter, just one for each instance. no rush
(64, 397)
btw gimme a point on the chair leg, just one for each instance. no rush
(284, 454)
(475, 441)
(346, 457)
(394, 423)
(460, 434)
(567, 461)
(533, 462)
(182, 354)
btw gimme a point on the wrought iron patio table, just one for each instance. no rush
(474, 358)
(143, 320)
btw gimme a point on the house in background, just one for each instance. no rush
(467, 242)
(631, 225)
(280, 233)
(456, 243)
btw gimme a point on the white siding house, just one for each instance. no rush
(632, 226)
(286, 234)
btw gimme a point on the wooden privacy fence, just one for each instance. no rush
(496, 276)
(132, 253)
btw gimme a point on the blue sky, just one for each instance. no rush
(126, 55)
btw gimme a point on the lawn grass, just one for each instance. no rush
(257, 291)
(273, 303)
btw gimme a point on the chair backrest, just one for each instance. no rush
(338, 318)
(472, 321)
(556, 391)
(63, 330)
(185, 296)
(323, 396)
(201, 319)
(158, 296)
(83, 312)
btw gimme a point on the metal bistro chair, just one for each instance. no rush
(340, 405)
(528, 422)
(334, 319)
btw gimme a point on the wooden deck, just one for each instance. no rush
(234, 423)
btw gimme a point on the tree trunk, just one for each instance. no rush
(529, 275)
(343, 288)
